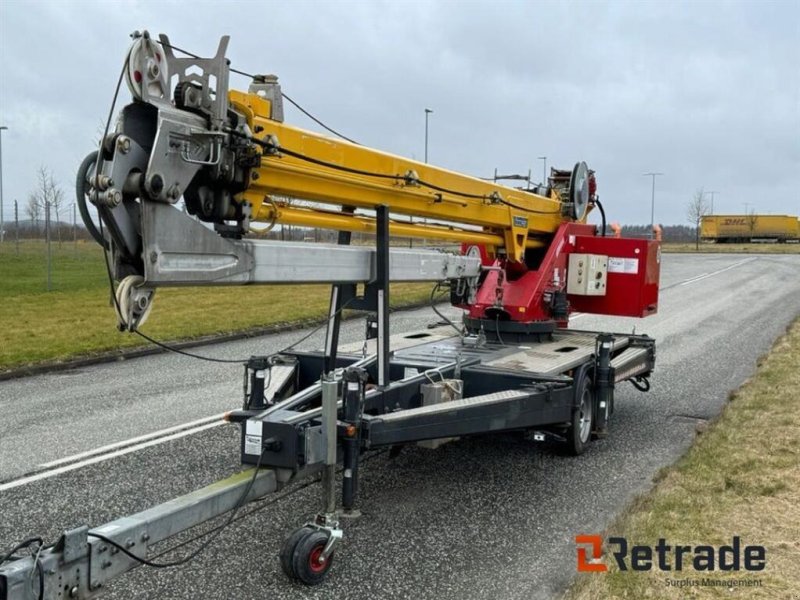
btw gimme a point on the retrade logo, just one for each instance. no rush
(595, 547)
(668, 557)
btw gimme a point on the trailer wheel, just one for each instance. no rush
(289, 546)
(306, 562)
(580, 430)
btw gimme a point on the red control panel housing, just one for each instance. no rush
(634, 267)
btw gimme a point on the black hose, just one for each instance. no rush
(641, 383)
(602, 214)
(81, 184)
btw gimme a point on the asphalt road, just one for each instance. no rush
(478, 518)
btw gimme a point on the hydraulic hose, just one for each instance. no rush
(81, 185)
(602, 214)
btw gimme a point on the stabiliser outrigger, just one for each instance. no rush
(528, 259)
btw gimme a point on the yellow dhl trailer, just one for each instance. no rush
(745, 228)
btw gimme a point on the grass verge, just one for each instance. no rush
(741, 477)
(75, 318)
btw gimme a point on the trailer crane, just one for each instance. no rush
(527, 260)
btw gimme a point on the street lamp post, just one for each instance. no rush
(712, 199)
(2, 221)
(544, 169)
(652, 201)
(427, 112)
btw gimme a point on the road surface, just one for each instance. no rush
(478, 518)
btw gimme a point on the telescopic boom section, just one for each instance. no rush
(300, 164)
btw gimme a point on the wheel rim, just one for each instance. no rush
(585, 422)
(314, 559)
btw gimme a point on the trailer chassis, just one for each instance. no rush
(307, 412)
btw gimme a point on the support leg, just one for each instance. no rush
(604, 386)
(382, 282)
(354, 381)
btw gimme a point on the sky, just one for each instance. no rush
(705, 92)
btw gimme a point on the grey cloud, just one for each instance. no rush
(707, 92)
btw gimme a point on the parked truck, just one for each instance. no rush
(747, 228)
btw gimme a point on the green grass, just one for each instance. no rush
(741, 477)
(75, 318)
(711, 248)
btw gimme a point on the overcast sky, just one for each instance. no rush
(706, 92)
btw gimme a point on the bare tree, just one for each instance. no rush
(47, 193)
(34, 210)
(697, 208)
(752, 221)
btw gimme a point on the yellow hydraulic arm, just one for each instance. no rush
(300, 164)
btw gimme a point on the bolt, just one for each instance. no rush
(190, 96)
(103, 548)
(96, 583)
(174, 192)
(146, 536)
(73, 592)
(154, 260)
(254, 175)
(124, 144)
(113, 197)
(156, 184)
(129, 543)
(106, 564)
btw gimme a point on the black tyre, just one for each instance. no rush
(289, 546)
(306, 562)
(579, 432)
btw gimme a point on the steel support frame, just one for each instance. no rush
(292, 426)
(80, 565)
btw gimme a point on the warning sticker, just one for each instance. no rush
(252, 437)
(629, 266)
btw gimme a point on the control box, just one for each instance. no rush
(587, 274)
(633, 272)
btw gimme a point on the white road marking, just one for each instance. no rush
(103, 457)
(130, 441)
(728, 268)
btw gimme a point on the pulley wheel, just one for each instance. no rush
(579, 191)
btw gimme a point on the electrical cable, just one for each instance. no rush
(318, 328)
(290, 100)
(39, 569)
(497, 330)
(530, 210)
(643, 385)
(263, 503)
(602, 214)
(199, 549)
(189, 354)
(20, 546)
(80, 192)
(440, 315)
(272, 147)
(317, 121)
